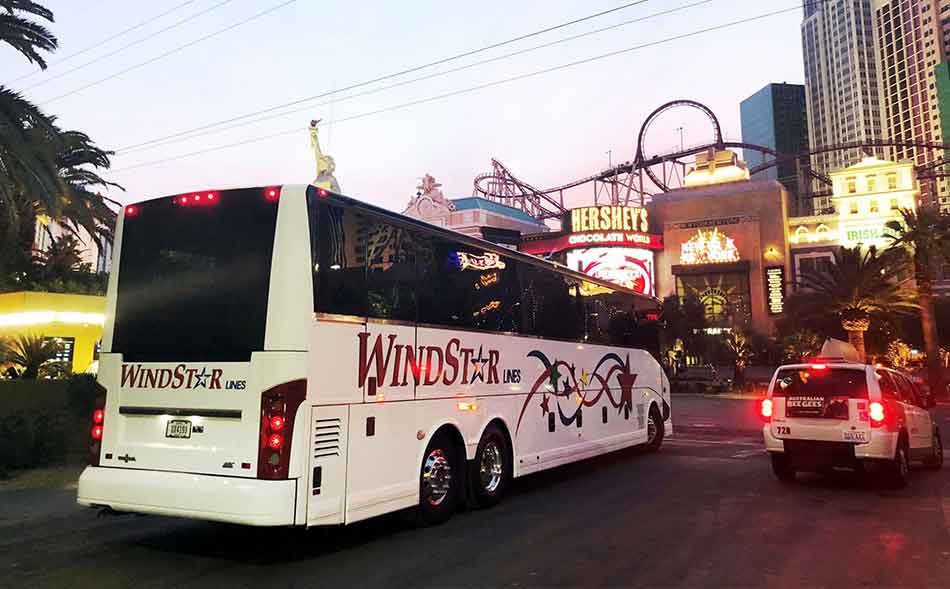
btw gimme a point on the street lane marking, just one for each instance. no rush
(748, 453)
(712, 442)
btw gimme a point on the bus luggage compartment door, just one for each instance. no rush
(327, 473)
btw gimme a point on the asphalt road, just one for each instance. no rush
(703, 512)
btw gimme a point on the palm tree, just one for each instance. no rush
(855, 290)
(23, 34)
(739, 347)
(925, 234)
(800, 344)
(31, 352)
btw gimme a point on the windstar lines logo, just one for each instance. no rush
(397, 365)
(137, 376)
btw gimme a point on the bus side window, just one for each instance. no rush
(391, 279)
(339, 272)
(551, 305)
(466, 287)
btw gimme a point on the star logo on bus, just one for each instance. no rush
(201, 379)
(545, 407)
(478, 366)
(555, 376)
(585, 377)
(626, 379)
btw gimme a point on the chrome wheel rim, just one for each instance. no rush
(491, 467)
(436, 477)
(651, 430)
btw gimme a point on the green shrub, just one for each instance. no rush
(51, 436)
(16, 442)
(81, 393)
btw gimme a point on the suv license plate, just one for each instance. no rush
(855, 437)
(178, 428)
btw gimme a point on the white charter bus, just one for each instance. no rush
(288, 356)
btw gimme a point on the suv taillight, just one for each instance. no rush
(766, 410)
(877, 414)
(98, 428)
(278, 407)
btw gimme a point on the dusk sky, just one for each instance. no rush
(547, 129)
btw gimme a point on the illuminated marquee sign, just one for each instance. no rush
(607, 219)
(775, 289)
(628, 267)
(709, 247)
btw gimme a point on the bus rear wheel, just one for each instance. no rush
(656, 429)
(490, 472)
(439, 480)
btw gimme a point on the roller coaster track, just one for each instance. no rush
(626, 182)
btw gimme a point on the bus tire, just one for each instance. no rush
(656, 430)
(490, 472)
(440, 480)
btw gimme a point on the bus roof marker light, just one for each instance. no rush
(272, 194)
(322, 192)
(131, 211)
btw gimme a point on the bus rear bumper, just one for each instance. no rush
(251, 502)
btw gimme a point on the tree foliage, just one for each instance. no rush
(35, 356)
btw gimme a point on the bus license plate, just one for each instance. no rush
(856, 437)
(178, 428)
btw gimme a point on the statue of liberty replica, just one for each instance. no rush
(325, 164)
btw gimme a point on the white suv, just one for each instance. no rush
(839, 413)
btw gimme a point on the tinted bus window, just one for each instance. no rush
(338, 250)
(468, 287)
(186, 291)
(392, 260)
(552, 305)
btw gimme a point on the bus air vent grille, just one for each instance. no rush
(326, 437)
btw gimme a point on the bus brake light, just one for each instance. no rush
(98, 427)
(278, 410)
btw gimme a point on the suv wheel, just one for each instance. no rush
(935, 462)
(782, 468)
(900, 466)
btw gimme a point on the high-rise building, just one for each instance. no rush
(775, 117)
(841, 90)
(911, 40)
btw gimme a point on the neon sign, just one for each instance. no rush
(709, 247)
(614, 218)
(466, 261)
(775, 289)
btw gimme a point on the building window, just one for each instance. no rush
(894, 204)
(872, 181)
(854, 207)
(892, 181)
(812, 266)
(874, 208)
(852, 184)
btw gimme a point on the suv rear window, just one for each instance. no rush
(821, 382)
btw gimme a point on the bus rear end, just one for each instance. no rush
(203, 366)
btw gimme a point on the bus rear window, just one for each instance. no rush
(821, 382)
(194, 277)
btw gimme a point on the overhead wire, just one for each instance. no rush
(390, 76)
(172, 51)
(215, 130)
(475, 88)
(102, 42)
(127, 46)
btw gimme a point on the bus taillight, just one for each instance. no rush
(278, 409)
(98, 427)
